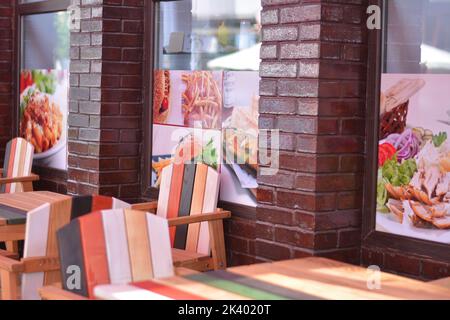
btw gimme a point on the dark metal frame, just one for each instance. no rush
(150, 41)
(23, 9)
(371, 237)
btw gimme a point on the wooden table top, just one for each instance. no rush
(14, 206)
(310, 278)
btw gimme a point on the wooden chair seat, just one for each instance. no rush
(191, 260)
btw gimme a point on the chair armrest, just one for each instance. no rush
(10, 265)
(30, 178)
(205, 217)
(54, 293)
(7, 254)
(146, 206)
(182, 272)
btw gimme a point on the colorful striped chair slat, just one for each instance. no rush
(189, 189)
(114, 247)
(41, 240)
(18, 163)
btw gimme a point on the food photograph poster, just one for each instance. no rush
(43, 115)
(413, 185)
(209, 117)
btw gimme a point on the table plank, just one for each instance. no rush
(342, 275)
(200, 289)
(310, 278)
(12, 215)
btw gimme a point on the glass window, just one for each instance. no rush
(44, 72)
(417, 36)
(206, 91)
(413, 189)
(45, 41)
(208, 35)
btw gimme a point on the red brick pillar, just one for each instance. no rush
(6, 73)
(312, 90)
(106, 99)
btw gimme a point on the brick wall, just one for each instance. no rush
(240, 238)
(312, 88)
(405, 264)
(85, 100)
(6, 73)
(106, 99)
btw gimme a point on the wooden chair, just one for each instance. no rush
(14, 208)
(186, 191)
(111, 247)
(16, 173)
(40, 264)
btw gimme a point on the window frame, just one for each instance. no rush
(24, 9)
(148, 192)
(370, 237)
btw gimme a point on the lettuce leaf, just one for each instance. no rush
(209, 155)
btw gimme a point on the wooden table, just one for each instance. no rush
(310, 278)
(13, 212)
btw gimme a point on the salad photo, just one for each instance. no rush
(43, 114)
(413, 185)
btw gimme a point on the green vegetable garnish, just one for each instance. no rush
(45, 83)
(396, 174)
(439, 139)
(209, 155)
(24, 102)
(382, 194)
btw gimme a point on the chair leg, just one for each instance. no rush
(9, 285)
(217, 239)
(12, 246)
(27, 186)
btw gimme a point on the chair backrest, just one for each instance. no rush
(189, 189)
(18, 162)
(82, 205)
(40, 234)
(113, 247)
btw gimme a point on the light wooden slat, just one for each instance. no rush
(348, 280)
(119, 204)
(164, 191)
(117, 246)
(175, 196)
(28, 159)
(17, 187)
(445, 283)
(11, 165)
(200, 289)
(25, 206)
(209, 205)
(126, 292)
(12, 232)
(17, 163)
(138, 245)
(159, 240)
(59, 217)
(36, 236)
